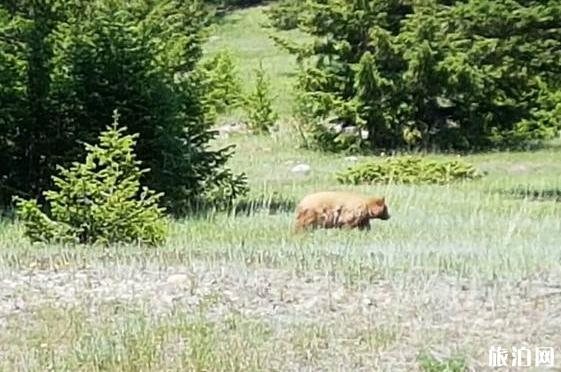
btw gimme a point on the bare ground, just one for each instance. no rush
(374, 326)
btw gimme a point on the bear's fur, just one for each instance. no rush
(339, 209)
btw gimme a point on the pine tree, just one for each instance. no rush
(259, 104)
(70, 65)
(221, 84)
(100, 200)
(469, 74)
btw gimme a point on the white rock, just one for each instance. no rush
(303, 169)
(351, 158)
(364, 134)
(519, 168)
(337, 128)
(231, 127)
(177, 279)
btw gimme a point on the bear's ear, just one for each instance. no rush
(381, 201)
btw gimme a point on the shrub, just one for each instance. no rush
(429, 363)
(284, 15)
(100, 200)
(445, 74)
(409, 170)
(224, 189)
(259, 104)
(71, 64)
(220, 83)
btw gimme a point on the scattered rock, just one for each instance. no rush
(519, 168)
(231, 127)
(177, 279)
(335, 127)
(452, 123)
(289, 304)
(350, 130)
(303, 169)
(338, 295)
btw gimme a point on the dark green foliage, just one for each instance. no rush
(443, 74)
(235, 3)
(69, 66)
(259, 104)
(98, 201)
(222, 7)
(409, 170)
(223, 189)
(13, 106)
(25, 52)
(284, 15)
(220, 83)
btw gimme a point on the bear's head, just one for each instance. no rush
(377, 208)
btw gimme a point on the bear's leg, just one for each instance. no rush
(330, 218)
(353, 219)
(364, 225)
(305, 219)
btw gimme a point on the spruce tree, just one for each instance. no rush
(451, 74)
(100, 200)
(70, 65)
(259, 104)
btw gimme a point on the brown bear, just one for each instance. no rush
(339, 209)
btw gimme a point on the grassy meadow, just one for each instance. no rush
(457, 269)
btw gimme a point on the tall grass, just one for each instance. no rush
(481, 228)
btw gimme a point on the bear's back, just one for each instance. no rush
(332, 199)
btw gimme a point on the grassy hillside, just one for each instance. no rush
(457, 269)
(243, 34)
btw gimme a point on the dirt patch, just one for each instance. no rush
(381, 326)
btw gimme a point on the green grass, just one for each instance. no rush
(505, 226)
(242, 34)
(129, 339)
(429, 363)
(478, 228)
